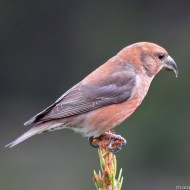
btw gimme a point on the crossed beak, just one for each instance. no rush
(171, 65)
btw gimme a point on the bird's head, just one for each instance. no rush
(151, 58)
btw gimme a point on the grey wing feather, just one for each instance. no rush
(84, 98)
(37, 117)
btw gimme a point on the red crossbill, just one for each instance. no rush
(107, 96)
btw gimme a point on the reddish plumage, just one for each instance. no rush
(107, 96)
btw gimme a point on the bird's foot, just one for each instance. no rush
(93, 141)
(117, 142)
(112, 141)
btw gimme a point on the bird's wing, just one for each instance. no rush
(113, 88)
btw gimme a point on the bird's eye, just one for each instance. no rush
(161, 56)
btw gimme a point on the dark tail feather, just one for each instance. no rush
(33, 131)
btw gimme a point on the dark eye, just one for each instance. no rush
(161, 56)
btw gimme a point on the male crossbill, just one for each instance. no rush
(107, 96)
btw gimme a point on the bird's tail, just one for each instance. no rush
(33, 131)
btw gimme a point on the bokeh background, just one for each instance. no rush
(47, 47)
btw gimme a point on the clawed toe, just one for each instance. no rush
(116, 143)
(93, 142)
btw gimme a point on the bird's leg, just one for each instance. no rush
(116, 142)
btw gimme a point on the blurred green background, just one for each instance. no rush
(47, 47)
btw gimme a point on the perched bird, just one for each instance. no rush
(107, 96)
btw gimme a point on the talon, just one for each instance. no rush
(92, 142)
(115, 149)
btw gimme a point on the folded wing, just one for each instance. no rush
(112, 89)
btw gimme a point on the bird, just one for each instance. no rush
(107, 96)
